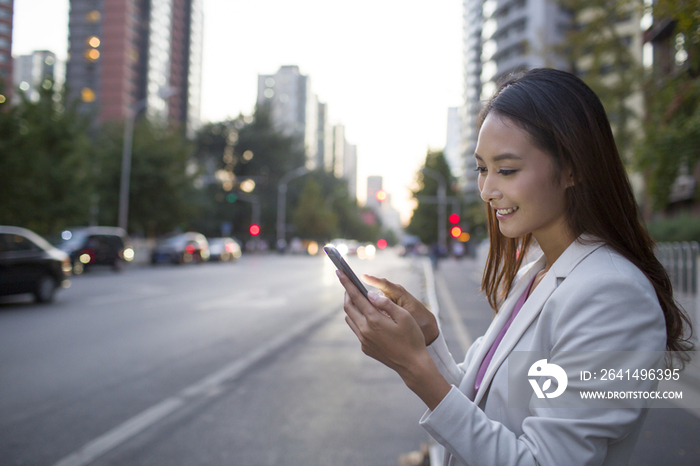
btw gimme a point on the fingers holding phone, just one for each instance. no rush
(398, 294)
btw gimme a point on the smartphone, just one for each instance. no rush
(343, 266)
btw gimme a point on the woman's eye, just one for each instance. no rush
(506, 172)
(480, 169)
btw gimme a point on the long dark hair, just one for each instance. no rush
(564, 118)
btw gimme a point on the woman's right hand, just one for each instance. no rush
(398, 294)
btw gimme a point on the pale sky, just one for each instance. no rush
(387, 69)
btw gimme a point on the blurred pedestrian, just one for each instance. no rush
(549, 170)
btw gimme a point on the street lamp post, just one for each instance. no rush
(126, 162)
(282, 201)
(164, 93)
(442, 243)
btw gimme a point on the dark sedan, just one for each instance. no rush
(29, 264)
(181, 249)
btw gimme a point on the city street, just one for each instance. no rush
(243, 363)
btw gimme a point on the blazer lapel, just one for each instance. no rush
(568, 260)
(499, 321)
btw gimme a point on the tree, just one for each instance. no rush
(672, 97)
(46, 180)
(312, 218)
(161, 194)
(602, 55)
(425, 216)
(246, 148)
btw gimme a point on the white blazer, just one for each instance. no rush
(591, 299)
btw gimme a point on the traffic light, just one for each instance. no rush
(456, 232)
(254, 229)
(382, 244)
(231, 198)
(454, 219)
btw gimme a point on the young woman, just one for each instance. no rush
(549, 171)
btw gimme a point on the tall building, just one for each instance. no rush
(473, 23)
(520, 35)
(499, 38)
(350, 169)
(30, 72)
(374, 185)
(324, 152)
(453, 147)
(293, 107)
(5, 50)
(135, 54)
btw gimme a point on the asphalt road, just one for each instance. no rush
(245, 363)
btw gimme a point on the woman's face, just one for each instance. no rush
(517, 180)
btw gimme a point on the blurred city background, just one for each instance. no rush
(171, 169)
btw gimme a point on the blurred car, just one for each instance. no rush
(91, 246)
(224, 249)
(29, 264)
(181, 248)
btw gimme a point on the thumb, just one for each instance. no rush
(380, 283)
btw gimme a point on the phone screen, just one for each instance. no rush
(343, 266)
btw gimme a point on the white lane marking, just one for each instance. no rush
(461, 333)
(137, 424)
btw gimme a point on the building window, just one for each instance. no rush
(93, 17)
(87, 94)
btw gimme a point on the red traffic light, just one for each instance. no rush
(454, 219)
(254, 229)
(381, 244)
(456, 232)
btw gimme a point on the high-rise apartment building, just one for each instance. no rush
(501, 37)
(519, 35)
(293, 107)
(453, 146)
(473, 23)
(134, 54)
(5, 50)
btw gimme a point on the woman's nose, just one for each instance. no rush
(489, 190)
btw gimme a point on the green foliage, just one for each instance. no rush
(602, 57)
(425, 216)
(161, 192)
(686, 13)
(250, 148)
(672, 135)
(46, 165)
(672, 126)
(312, 218)
(681, 228)
(237, 150)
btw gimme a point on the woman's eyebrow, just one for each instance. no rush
(499, 157)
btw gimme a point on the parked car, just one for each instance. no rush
(181, 248)
(91, 246)
(29, 264)
(224, 249)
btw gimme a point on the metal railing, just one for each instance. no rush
(681, 262)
